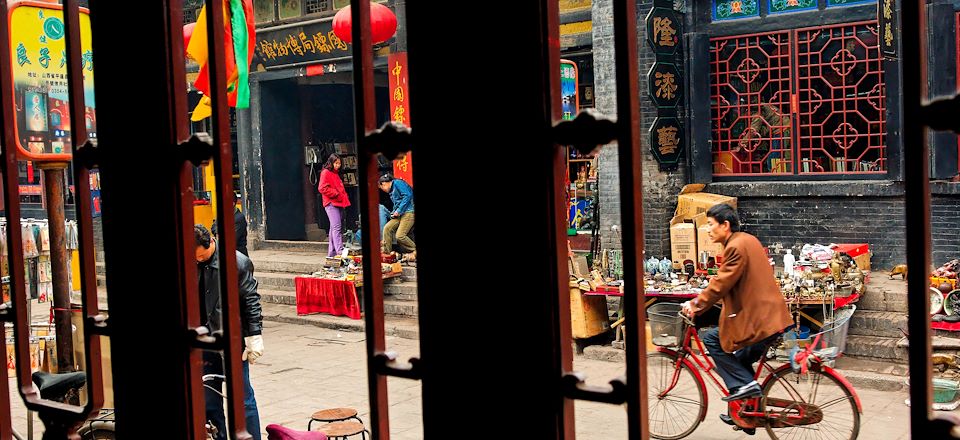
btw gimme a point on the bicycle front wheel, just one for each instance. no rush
(677, 400)
(811, 405)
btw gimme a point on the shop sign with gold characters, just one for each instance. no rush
(667, 142)
(889, 28)
(664, 29)
(665, 85)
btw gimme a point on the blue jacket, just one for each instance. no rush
(402, 197)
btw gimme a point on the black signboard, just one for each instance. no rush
(667, 142)
(663, 31)
(889, 28)
(309, 43)
(665, 85)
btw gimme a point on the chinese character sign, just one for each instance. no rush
(889, 28)
(400, 109)
(663, 30)
(568, 89)
(313, 42)
(667, 142)
(665, 85)
(39, 55)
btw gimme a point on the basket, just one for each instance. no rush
(666, 326)
(944, 391)
(835, 331)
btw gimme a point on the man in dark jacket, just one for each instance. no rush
(208, 274)
(239, 226)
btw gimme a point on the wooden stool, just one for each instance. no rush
(334, 415)
(342, 430)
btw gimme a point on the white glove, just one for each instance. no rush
(254, 348)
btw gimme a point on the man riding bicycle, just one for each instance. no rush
(754, 311)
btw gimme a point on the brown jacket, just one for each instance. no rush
(753, 307)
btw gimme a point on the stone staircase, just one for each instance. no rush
(276, 265)
(875, 329)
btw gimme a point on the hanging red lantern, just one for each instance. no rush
(383, 23)
(187, 33)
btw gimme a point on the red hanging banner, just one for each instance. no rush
(400, 109)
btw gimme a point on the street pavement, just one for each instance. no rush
(305, 369)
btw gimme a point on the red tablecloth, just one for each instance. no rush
(319, 295)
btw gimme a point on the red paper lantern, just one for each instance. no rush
(187, 33)
(383, 23)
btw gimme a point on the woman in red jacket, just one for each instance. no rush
(334, 201)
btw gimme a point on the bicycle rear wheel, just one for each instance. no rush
(676, 414)
(832, 403)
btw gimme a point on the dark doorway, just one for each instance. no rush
(282, 159)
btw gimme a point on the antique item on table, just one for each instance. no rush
(689, 268)
(936, 301)
(652, 265)
(899, 270)
(843, 290)
(665, 266)
(945, 287)
(332, 262)
(948, 270)
(835, 267)
(951, 303)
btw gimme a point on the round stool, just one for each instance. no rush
(343, 430)
(334, 415)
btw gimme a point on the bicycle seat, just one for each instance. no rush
(54, 386)
(277, 432)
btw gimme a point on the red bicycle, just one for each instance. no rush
(804, 398)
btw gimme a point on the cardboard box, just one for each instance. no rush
(704, 243)
(683, 241)
(692, 201)
(588, 313)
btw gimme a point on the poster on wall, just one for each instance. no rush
(569, 96)
(38, 53)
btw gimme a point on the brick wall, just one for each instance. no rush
(791, 222)
(659, 188)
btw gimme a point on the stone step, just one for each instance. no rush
(875, 323)
(406, 290)
(409, 273)
(295, 267)
(876, 348)
(884, 298)
(276, 280)
(396, 307)
(393, 326)
(319, 247)
(277, 297)
(893, 381)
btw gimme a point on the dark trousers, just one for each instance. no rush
(212, 364)
(735, 368)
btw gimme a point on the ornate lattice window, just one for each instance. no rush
(808, 101)
(316, 6)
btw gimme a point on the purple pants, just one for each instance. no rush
(335, 214)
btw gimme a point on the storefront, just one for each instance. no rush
(301, 112)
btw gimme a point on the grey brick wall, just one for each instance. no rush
(659, 188)
(791, 222)
(945, 219)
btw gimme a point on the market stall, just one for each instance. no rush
(337, 288)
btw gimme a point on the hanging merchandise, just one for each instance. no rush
(46, 291)
(44, 269)
(29, 242)
(73, 236)
(45, 238)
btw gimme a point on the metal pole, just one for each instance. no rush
(53, 174)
